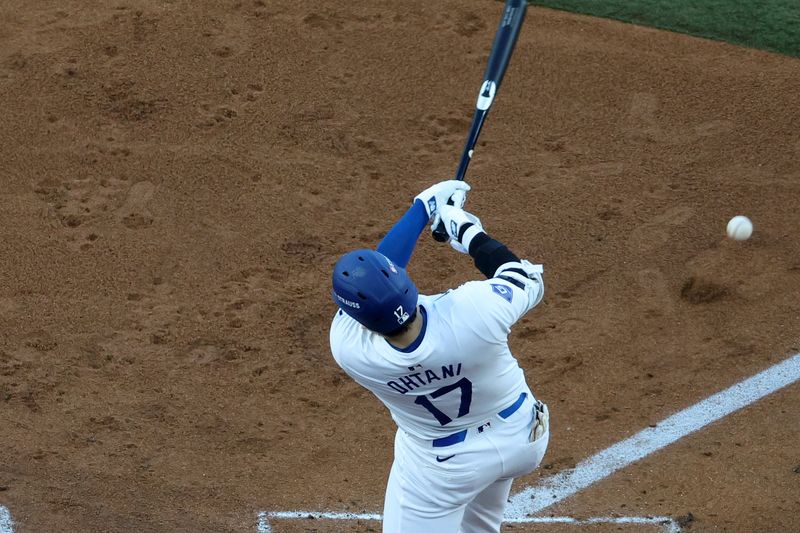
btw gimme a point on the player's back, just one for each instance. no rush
(457, 374)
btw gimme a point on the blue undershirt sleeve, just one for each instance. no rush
(399, 243)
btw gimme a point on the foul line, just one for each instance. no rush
(5, 521)
(667, 524)
(564, 484)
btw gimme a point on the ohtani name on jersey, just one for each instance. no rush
(410, 382)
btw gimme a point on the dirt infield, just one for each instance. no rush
(179, 178)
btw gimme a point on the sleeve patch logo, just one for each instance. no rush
(503, 291)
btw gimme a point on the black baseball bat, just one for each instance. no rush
(502, 48)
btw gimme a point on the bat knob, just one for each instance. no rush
(439, 233)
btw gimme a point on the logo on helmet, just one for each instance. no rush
(391, 265)
(401, 315)
(348, 303)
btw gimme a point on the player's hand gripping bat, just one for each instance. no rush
(502, 47)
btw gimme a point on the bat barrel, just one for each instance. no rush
(504, 41)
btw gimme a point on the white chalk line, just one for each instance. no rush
(556, 488)
(6, 525)
(601, 465)
(665, 523)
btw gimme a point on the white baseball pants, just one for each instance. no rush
(462, 488)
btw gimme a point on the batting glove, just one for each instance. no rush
(542, 423)
(436, 196)
(461, 227)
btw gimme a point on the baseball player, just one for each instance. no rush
(467, 421)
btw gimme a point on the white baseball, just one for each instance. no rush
(740, 228)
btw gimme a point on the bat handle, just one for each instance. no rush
(439, 233)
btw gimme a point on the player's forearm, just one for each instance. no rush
(399, 243)
(489, 254)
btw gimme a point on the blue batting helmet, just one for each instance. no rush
(374, 291)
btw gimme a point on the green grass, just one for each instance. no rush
(768, 24)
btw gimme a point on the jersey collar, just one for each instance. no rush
(414, 345)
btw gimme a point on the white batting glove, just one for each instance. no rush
(542, 423)
(454, 219)
(436, 196)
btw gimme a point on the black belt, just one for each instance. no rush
(455, 438)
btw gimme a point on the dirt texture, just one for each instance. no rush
(179, 178)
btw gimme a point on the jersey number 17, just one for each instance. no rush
(463, 409)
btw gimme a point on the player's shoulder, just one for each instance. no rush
(515, 286)
(344, 327)
(478, 297)
(346, 338)
(481, 290)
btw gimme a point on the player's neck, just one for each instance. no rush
(405, 339)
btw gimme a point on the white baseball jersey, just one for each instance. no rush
(460, 371)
